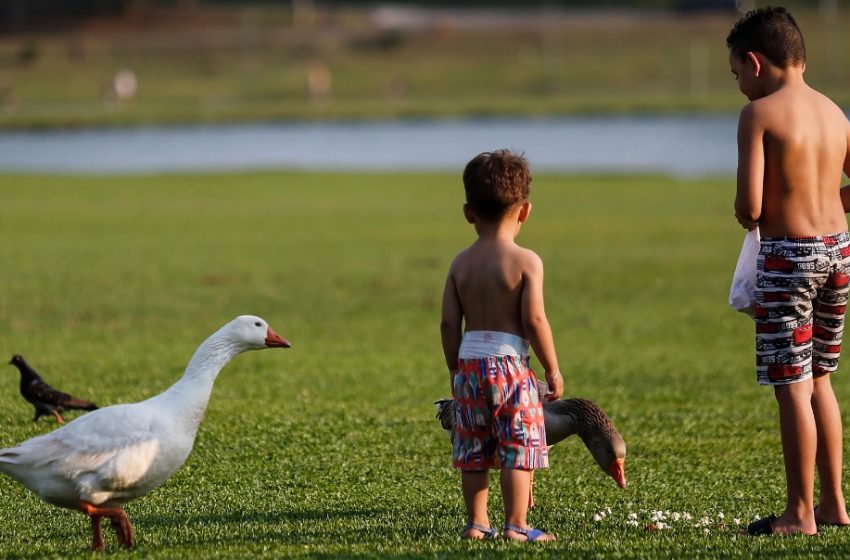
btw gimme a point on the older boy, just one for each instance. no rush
(793, 144)
(496, 287)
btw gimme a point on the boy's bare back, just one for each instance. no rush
(491, 278)
(796, 145)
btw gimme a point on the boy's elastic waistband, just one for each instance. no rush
(490, 344)
(831, 239)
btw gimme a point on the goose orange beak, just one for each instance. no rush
(274, 340)
(617, 470)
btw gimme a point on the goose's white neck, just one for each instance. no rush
(188, 398)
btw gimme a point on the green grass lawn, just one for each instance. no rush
(329, 449)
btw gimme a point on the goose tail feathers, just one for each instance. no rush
(446, 413)
(8, 457)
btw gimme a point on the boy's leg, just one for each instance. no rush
(473, 445)
(799, 447)
(831, 507)
(516, 487)
(829, 312)
(475, 490)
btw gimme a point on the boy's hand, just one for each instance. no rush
(748, 225)
(556, 385)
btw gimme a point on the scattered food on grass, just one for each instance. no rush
(662, 520)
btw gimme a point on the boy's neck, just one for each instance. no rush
(504, 228)
(499, 230)
(778, 78)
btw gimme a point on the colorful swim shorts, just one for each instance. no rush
(498, 415)
(801, 295)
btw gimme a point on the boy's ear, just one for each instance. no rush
(755, 60)
(468, 214)
(524, 211)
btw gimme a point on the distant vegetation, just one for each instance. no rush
(264, 62)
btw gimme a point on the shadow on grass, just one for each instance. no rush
(265, 517)
(301, 527)
(242, 530)
(381, 528)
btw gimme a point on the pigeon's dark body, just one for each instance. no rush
(43, 397)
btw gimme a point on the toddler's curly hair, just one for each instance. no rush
(495, 182)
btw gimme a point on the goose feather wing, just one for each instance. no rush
(110, 455)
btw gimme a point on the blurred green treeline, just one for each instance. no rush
(191, 61)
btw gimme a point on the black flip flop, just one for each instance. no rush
(761, 527)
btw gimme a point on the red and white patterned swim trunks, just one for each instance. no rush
(801, 296)
(498, 415)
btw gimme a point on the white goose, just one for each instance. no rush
(101, 460)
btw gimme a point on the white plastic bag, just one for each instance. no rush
(742, 294)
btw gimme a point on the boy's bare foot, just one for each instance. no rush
(772, 525)
(526, 534)
(476, 532)
(831, 517)
(786, 525)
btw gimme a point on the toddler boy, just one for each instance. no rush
(495, 290)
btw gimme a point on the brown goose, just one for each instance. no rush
(565, 418)
(583, 417)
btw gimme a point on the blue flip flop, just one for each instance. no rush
(531, 535)
(489, 532)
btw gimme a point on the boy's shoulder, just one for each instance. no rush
(776, 108)
(773, 104)
(529, 257)
(479, 253)
(794, 96)
(757, 113)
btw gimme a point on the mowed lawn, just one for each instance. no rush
(108, 284)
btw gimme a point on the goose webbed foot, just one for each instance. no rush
(123, 529)
(97, 534)
(118, 519)
(59, 419)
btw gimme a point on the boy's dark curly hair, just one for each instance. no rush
(496, 181)
(770, 31)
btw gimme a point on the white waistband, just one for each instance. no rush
(486, 344)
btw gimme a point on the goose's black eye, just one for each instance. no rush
(258, 324)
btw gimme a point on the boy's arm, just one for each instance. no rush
(536, 325)
(748, 199)
(451, 322)
(845, 190)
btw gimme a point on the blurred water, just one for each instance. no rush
(677, 145)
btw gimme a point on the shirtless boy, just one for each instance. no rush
(793, 144)
(495, 287)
